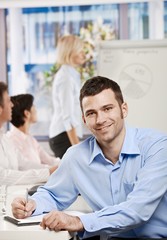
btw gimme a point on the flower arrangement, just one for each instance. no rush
(49, 75)
(90, 34)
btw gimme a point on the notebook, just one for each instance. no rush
(34, 220)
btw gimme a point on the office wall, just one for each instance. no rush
(140, 69)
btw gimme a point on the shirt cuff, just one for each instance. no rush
(69, 124)
(90, 222)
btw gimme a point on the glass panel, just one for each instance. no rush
(165, 19)
(138, 20)
(41, 29)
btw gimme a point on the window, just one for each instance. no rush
(165, 19)
(41, 28)
(33, 43)
(138, 20)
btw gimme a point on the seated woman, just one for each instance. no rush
(23, 115)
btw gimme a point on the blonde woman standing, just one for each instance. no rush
(65, 128)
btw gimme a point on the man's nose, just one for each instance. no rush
(100, 118)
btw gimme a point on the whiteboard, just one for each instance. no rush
(140, 68)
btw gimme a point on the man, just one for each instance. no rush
(121, 172)
(10, 160)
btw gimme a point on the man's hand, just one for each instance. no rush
(21, 208)
(57, 221)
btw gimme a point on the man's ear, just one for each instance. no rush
(1, 110)
(124, 110)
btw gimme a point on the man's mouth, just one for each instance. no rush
(103, 128)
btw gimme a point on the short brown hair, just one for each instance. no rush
(97, 84)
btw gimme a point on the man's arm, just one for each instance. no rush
(13, 177)
(10, 167)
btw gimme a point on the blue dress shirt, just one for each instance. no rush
(128, 199)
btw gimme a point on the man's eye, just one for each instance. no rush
(107, 109)
(90, 114)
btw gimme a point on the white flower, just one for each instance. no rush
(91, 35)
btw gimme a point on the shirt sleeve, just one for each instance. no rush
(146, 191)
(33, 176)
(11, 173)
(141, 203)
(58, 193)
(44, 156)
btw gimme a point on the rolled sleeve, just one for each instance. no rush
(69, 124)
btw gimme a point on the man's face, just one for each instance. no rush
(6, 109)
(103, 116)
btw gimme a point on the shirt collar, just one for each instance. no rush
(18, 133)
(95, 149)
(130, 145)
(71, 69)
(1, 132)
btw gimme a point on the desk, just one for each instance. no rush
(9, 231)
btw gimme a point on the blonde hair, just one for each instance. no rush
(66, 46)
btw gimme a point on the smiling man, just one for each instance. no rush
(120, 171)
(104, 116)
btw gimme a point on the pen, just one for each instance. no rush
(26, 195)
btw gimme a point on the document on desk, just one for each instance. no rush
(35, 220)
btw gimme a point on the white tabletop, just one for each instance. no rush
(9, 231)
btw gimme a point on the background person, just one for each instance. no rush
(24, 114)
(65, 128)
(121, 172)
(11, 161)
